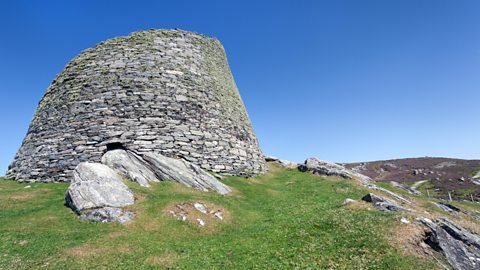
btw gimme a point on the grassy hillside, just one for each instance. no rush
(283, 220)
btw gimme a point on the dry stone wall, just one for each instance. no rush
(169, 91)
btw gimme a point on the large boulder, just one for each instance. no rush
(184, 172)
(130, 165)
(322, 167)
(95, 186)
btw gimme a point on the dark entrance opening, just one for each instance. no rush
(114, 146)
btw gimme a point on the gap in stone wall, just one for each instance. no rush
(115, 146)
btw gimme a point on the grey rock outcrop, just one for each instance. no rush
(169, 91)
(184, 172)
(130, 165)
(108, 214)
(282, 162)
(154, 167)
(460, 247)
(391, 193)
(95, 186)
(322, 167)
(454, 209)
(383, 204)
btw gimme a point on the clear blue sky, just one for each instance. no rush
(340, 80)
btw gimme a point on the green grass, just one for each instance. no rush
(283, 220)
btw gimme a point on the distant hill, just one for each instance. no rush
(459, 176)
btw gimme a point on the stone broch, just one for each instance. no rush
(165, 91)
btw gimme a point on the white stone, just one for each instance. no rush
(200, 207)
(200, 222)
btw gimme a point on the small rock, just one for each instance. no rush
(27, 186)
(348, 201)
(218, 215)
(200, 222)
(200, 207)
(391, 193)
(404, 220)
(182, 217)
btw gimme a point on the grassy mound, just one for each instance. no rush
(282, 220)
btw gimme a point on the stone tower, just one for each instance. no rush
(169, 91)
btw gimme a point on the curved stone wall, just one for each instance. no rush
(159, 90)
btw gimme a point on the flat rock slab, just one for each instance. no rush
(130, 165)
(154, 167)
(184, 172)
(95, 185)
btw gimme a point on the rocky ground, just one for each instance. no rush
(460, 177)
